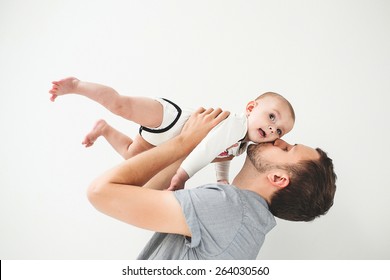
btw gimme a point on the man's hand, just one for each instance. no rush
(200, 123)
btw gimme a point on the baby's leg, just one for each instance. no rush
(100, 128)
(62, 87)
(141, 110)
(121, 143)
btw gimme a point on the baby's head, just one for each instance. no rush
(270, 116)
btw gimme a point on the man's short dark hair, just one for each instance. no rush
(310, 192)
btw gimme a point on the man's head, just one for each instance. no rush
(302, 178)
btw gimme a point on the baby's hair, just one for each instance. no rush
(277, 95)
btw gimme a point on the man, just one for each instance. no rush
(293, 182)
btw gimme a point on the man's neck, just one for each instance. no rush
(250, 179)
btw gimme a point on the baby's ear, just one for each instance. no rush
(250, 106)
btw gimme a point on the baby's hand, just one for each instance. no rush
(178, 181)
(64, 86)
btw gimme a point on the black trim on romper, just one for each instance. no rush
(166, 128)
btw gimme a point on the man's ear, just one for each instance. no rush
(250, 106)
(279, 179)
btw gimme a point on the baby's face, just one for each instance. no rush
(269, 118)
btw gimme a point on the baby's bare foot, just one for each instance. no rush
(95, 133)
(64, 86)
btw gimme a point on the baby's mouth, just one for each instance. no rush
(262, 132)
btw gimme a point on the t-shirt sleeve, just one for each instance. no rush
(213, 214)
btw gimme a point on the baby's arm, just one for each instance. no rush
(181, 177)
(222, 171)
(224, 135)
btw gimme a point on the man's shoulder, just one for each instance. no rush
(213, 193)
(216, 187)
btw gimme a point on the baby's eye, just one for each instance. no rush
(279, 132)
(272, 117)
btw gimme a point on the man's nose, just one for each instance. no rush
(279, 142)
(283, 144)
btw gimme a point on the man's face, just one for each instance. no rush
(278, 153)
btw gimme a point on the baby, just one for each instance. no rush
(265, 119)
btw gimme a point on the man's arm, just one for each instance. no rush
(117, 192)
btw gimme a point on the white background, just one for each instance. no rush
(331, 59)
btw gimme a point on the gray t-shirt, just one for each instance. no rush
(225, 223)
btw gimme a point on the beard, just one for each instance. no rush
(255, 157)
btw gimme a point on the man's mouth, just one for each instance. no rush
(262, 132)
